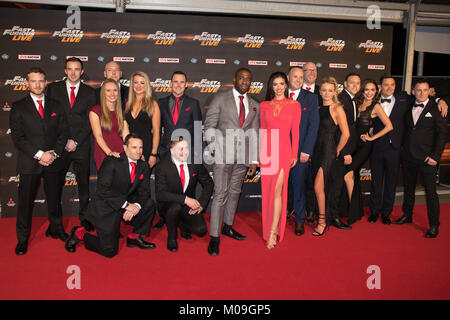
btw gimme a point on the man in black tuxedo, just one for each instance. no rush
(113, 71)
(425, 137)
(179, 112)
(76, 99)
(123, 192)
(176, 182)
(39, 131)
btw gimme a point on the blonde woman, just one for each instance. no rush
(326, 150)
(107, 123)
(143, 116)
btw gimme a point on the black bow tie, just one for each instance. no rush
(419, 105)
(385, 100)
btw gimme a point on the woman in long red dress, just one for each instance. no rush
(107, 123)
(280, 120)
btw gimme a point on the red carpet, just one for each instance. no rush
(306, 267)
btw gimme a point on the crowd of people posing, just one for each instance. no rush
(310, 145)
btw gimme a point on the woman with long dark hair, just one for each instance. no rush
(280, 119)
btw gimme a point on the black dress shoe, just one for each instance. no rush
(21, 248)
(185, 235)
(339, 224)
(373, 218)
(299, 228)
(61, 234)
(160, 223)
(403, 219)
(309, 218)
(289, 213)
(385, 220)
(87, 225)
(72, 240)
(172, 245)
(140, 243)
(228, 231)
(432, 232)
(213, 247)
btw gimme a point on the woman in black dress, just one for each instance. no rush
(368, 108)
(143, 116)
(332, 123)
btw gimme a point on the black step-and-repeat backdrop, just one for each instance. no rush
(208, 48)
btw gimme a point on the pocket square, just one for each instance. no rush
(188, 109)
(304, 108)
(141, 177)
(53, 114)
(254, 109)
(428, 115)
(194, 174)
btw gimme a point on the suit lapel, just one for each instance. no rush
(251, 112)
(33, 109)
(175, 170)
(231, 103)
(425, 110)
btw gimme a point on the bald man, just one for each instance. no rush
(113, 71)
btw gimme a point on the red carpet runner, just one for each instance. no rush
(331, 267)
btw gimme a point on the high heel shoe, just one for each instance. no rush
(319, 223)
(269, 244)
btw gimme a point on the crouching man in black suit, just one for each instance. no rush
(176, 181)
(123, 192)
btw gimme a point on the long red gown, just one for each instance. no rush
(276, 155)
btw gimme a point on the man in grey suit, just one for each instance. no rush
(232, 130)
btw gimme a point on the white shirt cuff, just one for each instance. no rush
(38, 155)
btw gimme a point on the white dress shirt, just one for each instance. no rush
(77, 87)
(238, 101)
(417, 111)
(387, 107)
(312, 87)
(129, 169)
(185, 169)
(296, 93)
(38, 154)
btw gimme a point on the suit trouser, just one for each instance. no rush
(228, 179)
(299, 176)
(28, 187)
(336, 190)
(384, 164)
(411, 168)
(106, 242)
(176, 215)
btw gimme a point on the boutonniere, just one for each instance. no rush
(188, 109)
(254, 109)
(304, 108)
(142, 176)
(194, 174)
(53, 114)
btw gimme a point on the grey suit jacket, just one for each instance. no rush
(230, 143)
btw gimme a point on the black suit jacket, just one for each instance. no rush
(114, 188)
(427, 138)
(169, 188)
(347, 104)
(189, 112)
(77, 116)
(30, 133)
(123, 95)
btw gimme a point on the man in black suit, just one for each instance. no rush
(425, 137)
(76, 99)
(113, 71)
(176, 182)
(338, 193)
(123, 192)
(180, 112)
(39, 131)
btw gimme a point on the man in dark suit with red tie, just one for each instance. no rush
(425, 137)
(123, 192)
(39, 131)
(176, 182)
(76, 100)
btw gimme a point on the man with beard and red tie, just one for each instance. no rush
(123, 192)
(76, 99)
(39, 131)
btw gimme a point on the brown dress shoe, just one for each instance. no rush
(299, 228)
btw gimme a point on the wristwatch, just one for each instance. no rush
(53, 153)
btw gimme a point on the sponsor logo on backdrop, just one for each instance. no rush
(11, 203)
(20, 34)
(70, 179)
(71, 200)
(125, 82)
(333, 45)
(372, 46)
(15, 179)
(256, 87)
(376, 67)
(39, 201)
(82, 58)
(250, 41)
(258, 62)
(297, 63)
(208, 39)
(69, 35)
(207, 86)
(292, 43)
(29, 57)
(365, 174)
(163, 38)
(123, 59)
(160, 85)
(337, 66)
(169, 60)
(340, 87)
(116, 37)
(18, 83)
(215, 61)
(6, 107)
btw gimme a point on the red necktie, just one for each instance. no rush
(133, 171)
(72, 96)
(182, 176)
(41, 108)
(291, 96)
(176, 111)
(241, 111)
(308, 88)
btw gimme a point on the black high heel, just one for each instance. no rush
(321, 217)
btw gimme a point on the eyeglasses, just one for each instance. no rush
(310, 70)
